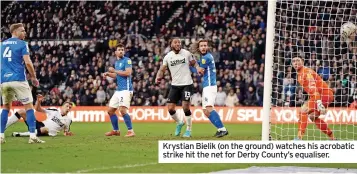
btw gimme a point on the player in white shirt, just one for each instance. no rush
(56, 121)
(178, 61)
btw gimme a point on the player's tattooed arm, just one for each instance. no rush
(160, 73)
(38, 107)
(67, 130)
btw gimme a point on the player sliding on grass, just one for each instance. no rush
(123, 94)
(56, 120)
(13, 59)
(178, 61)
(209, 86)
(320, 96)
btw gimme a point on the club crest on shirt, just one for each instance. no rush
(203, 61)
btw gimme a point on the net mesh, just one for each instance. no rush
(311, 29)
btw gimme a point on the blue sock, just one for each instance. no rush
(4, 117)
(114, 120)
(215, 119)
(127, 121)
(31, 120)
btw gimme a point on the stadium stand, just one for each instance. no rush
(72, 45)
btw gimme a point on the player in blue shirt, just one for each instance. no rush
(123, 94)
(209, 87)
(13, 59)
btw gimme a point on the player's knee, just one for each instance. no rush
(111, 112)
(7, 106)
(123, 110)
(28, 106)
(185, 105)
(170, 106)
(187, 112)
(206, 112)
(22, 113)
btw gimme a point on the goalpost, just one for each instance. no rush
(310, 29)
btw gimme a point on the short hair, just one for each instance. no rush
(14, 27)
(71, 103)
(120, 45)
(172, 39)
(298, 56)
(203, 40)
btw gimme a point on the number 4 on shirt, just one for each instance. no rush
(7, 54)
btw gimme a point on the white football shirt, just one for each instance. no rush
(179, 66)
(55, 122)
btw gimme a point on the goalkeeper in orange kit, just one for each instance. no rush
(320, 96)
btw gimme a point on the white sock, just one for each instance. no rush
(222, 129)
(24, 134)
(12, 120)
(189, 122)
(32, 135)
(176, 118)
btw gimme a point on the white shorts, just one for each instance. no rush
(10, 91)
(209, 96)
(121, 98)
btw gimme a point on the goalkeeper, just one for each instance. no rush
(320, 96)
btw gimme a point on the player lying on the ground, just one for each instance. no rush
(122, 96)
(56, 120)
(209, 84)
(320, 96)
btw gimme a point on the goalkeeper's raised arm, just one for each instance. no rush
(320, 96)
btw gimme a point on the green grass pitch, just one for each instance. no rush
(90, 151)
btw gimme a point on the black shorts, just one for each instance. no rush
(178, 93)
(40, 125)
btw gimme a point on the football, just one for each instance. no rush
(348, 29)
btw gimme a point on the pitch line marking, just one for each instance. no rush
(114, 167)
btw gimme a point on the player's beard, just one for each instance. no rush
(176, 50)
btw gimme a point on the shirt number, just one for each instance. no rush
(7, 54)
(187, 94)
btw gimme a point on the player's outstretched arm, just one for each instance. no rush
(313, 92)
(67, 130)
(38, 107)
(160, 73)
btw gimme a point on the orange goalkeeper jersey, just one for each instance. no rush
(312, 83)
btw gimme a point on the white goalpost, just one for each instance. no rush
(311, 30)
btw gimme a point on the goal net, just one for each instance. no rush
(310, 29)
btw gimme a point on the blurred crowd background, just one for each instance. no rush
(73, 43)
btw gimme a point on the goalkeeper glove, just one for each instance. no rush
(320, 107)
